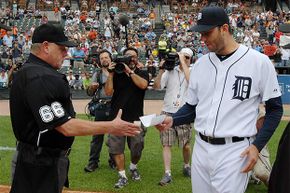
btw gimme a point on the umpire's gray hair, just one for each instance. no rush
(35, 48)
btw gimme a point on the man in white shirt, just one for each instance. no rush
(175, 82)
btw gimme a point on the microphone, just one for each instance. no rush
(123, 20)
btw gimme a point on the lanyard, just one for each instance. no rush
(180, 84)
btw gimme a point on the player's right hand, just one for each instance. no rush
(123, 128)
(166, 124)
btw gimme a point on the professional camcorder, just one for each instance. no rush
(120, 61)
(171, 60)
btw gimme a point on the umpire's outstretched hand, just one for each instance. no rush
(252, 154)
(123, 128)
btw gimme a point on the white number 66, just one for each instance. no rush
(47, 113)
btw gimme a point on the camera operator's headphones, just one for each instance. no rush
(104, 51)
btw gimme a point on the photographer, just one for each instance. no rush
(127, 88)
(176, 82)
(96, 89)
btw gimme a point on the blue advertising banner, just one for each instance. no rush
(284, 82)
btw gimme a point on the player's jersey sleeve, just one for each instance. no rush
(191, 94)
(269, 84)
(49, 100)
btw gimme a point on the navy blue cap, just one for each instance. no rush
(51, 33)
(210, 17)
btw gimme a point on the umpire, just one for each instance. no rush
(42, 116)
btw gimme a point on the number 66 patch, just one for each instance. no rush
(47, 113)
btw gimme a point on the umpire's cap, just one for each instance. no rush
(51, 33)
(210, 17)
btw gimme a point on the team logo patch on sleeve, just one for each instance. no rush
(242, 88)
(48, 113)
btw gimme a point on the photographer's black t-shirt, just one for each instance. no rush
(127, 96)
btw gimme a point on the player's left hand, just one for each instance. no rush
(166, 124)
(252, 154)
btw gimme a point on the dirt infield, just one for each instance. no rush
(5, 189)
(150, 106)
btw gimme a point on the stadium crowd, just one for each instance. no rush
(98, 28)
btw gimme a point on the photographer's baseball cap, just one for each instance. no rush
(210, 17)
(187, 51)
(51, 33)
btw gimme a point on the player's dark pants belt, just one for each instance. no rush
(52, 152)
(219, 141)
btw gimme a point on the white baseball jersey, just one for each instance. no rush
(228, 93)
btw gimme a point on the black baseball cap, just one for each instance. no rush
(210, 17)
(51, 33)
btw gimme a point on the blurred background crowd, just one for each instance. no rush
(154, 27)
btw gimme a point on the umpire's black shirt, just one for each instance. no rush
(40, 100)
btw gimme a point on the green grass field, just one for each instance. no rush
(103, 179)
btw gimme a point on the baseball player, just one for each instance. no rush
(225, 89)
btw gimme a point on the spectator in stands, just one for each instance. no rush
(277, 35)
(78, 56)
(16, 53)
(44, 19)
(108, 46)
(257, 46)
(152, 17)
(107, 21)
(70, 78)
(86, 80)
(77, 83)
(114, 8)
(5, 55)
(98, 10)
(285, 55)
(108, 33)
(8, 39)
(21, 40)
(26, 48)
(162, 46)
(150, 35)
(270, 49)
(92, 35)
(3, 78)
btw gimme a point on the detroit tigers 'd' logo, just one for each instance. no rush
(242, 88)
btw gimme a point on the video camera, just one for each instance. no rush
(171, 60)
(120, 61)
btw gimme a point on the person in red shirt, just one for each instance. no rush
(92, 35)
(278, 35)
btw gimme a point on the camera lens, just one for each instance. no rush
(119, 68)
